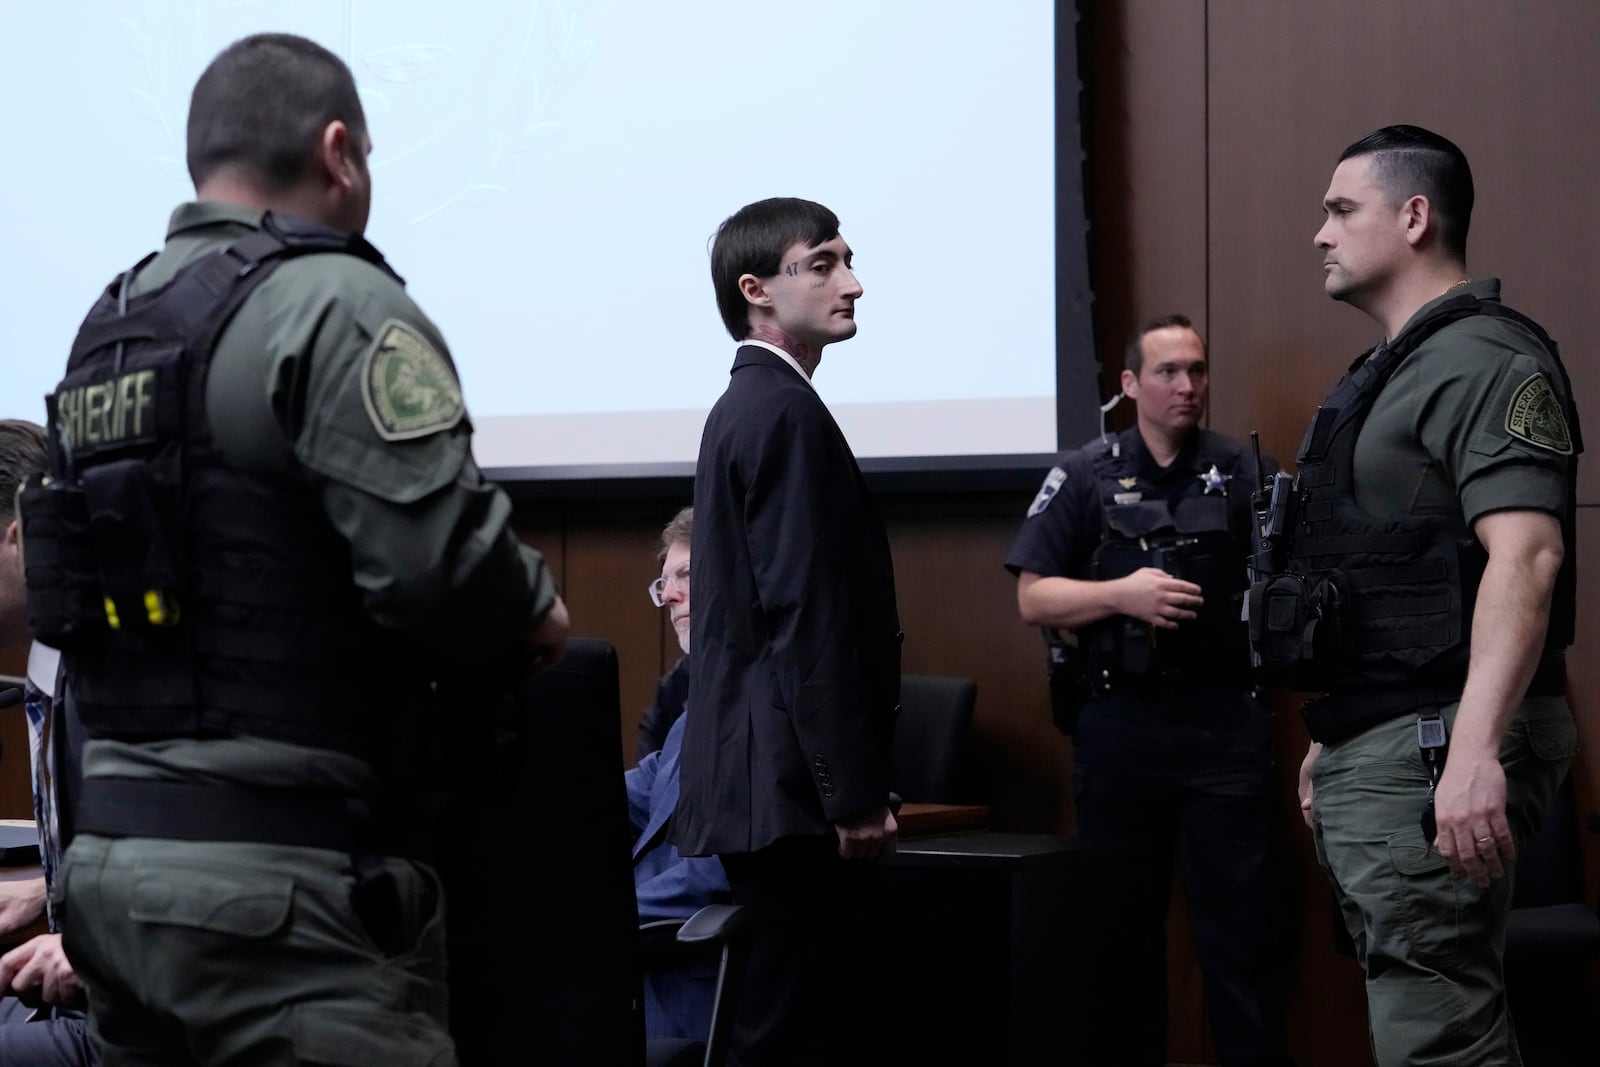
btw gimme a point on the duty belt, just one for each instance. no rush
(1344, 714)
(192, 811)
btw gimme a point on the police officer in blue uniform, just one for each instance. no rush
(1137, 544)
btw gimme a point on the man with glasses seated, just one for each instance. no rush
(673, 689)
(668, 885)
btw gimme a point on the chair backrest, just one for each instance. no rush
(1552, 938)
(544, 964)
(1552, 925)
(1550, 863)
(928, 762)
(9, 682)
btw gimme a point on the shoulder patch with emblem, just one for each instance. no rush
(410, 390)
(1047, 492)
(1535, 416)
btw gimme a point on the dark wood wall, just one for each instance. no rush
(16, 796)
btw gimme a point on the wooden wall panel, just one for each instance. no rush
(16, 776)
(958, 609)
(1143, 68)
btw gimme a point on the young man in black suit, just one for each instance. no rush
(795, 650)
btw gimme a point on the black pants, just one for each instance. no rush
(1187, 778)
(44, 1039)
(813, 992)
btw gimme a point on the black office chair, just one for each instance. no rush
(724, 929)
(537, 863)
(928, 763)
(1550, 919)
(11, 690)
(1552, 938)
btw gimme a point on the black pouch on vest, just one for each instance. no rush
(138, 565)
(1298, 627)
(65, 600)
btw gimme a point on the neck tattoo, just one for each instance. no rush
(1457, 285)
(773, 336)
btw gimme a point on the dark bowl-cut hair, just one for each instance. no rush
(263, 103)
(1133, 351)
(753, 240)
(1408, 161)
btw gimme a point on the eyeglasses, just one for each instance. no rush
(678, 579)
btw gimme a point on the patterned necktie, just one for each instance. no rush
(40, 723)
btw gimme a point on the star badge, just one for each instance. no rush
(1215, 481)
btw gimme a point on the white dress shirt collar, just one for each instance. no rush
(786, 357)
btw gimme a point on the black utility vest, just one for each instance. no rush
(191, 599)
(1185, 531)
(1384, 603)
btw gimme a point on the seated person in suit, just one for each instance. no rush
(41, 1016)
(669, 886)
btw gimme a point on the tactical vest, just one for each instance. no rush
(1188, 534)
(191, 599)
(1370, 603)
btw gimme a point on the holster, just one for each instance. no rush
(1299, 626)
(1069, 681)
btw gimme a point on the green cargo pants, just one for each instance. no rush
(242, 954)
(1431, 943)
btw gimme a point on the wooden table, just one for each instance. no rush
(1004, 949)
(921, 820)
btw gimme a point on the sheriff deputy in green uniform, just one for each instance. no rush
(261, 537)
(1425, 584)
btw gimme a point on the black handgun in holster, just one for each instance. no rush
(1069, 680)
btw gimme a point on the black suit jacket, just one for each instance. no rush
(795, 650)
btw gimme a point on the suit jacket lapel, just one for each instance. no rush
(655, 831)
